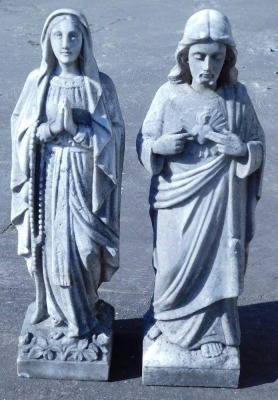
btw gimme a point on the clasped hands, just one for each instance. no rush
(64, 120)
(226, 143)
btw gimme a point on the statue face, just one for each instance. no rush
(205, 62)
(66, 41)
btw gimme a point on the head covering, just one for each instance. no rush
(29, 113)
(202, 26)
(88, 63)
(102, 142)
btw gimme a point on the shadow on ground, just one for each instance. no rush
(258, 351)
(127, 349)
(259, 344)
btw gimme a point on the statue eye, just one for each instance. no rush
(199, 56)
(58, 35)
(218, 57)
(73, 36)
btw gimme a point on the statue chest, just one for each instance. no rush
(198, 115)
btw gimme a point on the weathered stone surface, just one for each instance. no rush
(67, 159)
(138, 66)
(86, 358)
(167, 364)
(204, 147)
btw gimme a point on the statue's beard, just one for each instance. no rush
(207, 79)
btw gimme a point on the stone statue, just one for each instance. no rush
(203, 144)
(68, 144)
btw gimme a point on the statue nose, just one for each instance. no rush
(65, 42)
(207, 63)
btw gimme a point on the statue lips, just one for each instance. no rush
(207, 75)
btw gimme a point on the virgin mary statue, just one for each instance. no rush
(68, 143)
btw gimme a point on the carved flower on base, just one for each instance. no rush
(102, 341)
(43, 349)
(83, 351)
(67, 349)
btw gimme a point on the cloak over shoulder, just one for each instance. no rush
(108, 141)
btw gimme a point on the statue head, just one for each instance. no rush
(66, 39)
(78, 22)
(206, 27)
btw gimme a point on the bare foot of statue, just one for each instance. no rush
(210, 350)
(154, 332)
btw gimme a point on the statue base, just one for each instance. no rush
(167, 364)
(85, 358)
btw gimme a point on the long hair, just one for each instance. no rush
(203, 27)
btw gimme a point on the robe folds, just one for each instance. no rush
(78, 183)
(202, 209)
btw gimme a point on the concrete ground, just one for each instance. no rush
(134, 42)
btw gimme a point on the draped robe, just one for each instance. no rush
(202, 210)
(80, 243)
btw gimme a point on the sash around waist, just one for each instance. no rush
(71, 148)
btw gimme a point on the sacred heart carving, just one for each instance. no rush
(206, 121)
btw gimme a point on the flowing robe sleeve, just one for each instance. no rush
(250, 167)
(109, 211)
(23, 122)
(151, 130)
(252, 134)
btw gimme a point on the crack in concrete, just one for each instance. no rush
(8, 229)
(103, 28)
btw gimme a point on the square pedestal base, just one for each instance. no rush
(86, 371)
(167, 364)
(86, 358)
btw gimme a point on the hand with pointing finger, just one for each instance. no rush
(170, 144)
(228, 143)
